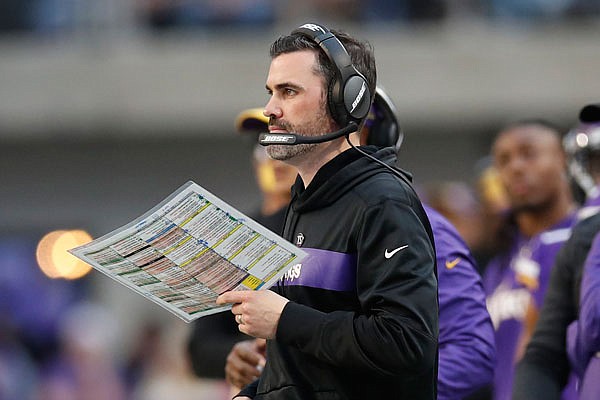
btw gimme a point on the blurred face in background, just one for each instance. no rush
(531, 166)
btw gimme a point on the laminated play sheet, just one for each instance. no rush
(189, 249)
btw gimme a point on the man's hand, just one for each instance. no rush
(256, 312)
(245, 362)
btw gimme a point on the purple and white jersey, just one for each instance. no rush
(514, 281)
(466, 337)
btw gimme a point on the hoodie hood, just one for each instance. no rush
(341, 175)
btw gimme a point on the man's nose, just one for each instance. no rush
(272, 109)
(517, 165)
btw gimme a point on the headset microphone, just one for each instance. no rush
(266, 139)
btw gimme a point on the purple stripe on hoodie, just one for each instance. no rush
(324, 269)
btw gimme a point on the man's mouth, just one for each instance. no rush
(276, 129)
(520, 188)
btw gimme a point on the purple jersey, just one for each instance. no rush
(590, 384)
(583, 335)
(466, 337)
(514, 281)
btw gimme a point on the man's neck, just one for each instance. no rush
(533, 222)
(311, 163)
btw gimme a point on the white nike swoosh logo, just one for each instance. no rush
(389, 254)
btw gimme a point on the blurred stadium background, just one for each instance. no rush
(106, 106)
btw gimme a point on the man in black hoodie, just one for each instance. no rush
(359, 318)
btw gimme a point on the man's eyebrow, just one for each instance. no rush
(285, 85)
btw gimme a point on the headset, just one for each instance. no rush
(348, 95)
(382, 121)
(580, 143)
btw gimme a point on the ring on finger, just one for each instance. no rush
(239, 319)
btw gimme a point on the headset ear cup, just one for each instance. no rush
(383, 133)
(333, 104)
(356, 97)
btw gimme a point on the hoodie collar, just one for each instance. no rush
(338, 176)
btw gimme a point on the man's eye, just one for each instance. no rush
(502, 160)
(529, 153)
(290, 92)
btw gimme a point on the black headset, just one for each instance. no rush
(349, 97)
(384, 128)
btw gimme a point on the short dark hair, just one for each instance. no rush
(539, 122)
(361, 54)
(532, 122)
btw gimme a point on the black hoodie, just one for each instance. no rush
(362, 321)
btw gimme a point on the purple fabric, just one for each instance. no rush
(590, 385)
(24, 288)
(512, 282)
(570, 391)
(576, 358)
(466, 337)
(324, 269)
(593, 201)
(589, 313)
(583, 335)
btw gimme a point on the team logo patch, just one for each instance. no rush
(299, 239)
(527, 272)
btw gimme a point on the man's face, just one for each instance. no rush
(297, 103)
(531, 165)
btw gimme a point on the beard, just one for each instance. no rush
(314, 127)
(533, 206)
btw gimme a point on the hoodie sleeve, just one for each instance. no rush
(395, 332)
(248, 391)
(466, 341)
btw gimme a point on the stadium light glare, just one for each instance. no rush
(55, 261)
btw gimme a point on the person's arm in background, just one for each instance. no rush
(245, 362)
(544, 370)
(466, 339)
(209, 343)
(583, 336)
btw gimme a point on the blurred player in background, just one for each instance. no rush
(544, 371)
(532, 168)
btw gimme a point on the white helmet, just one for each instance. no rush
(580, 143)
